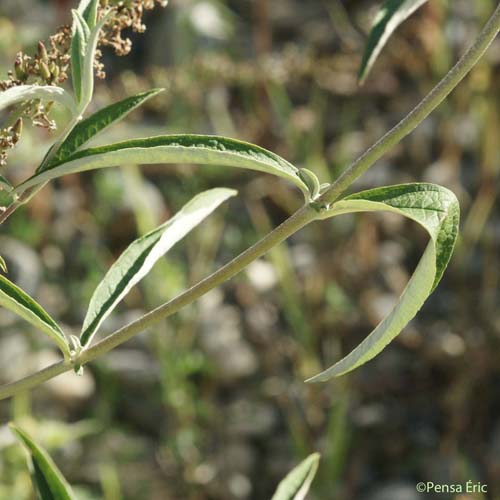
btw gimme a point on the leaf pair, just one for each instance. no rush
(436, 209)
(389, 17)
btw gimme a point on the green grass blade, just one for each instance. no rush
(139, 258)
(436, 209)
(19, 302)
(96, 123)
(22, 93)
(196, 149)
(297, 482)
(390, 16)
(47, 479)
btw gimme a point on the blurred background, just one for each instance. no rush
(211, 404)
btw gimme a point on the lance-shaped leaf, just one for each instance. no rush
(19, 302)
(88, 11)
(390, 16)
(138, 259)
(80, 34)
(87, 66)
(197, 149)
(96, 123)
(297, 482)
(436, 209)
(48, 481)
(22, 93)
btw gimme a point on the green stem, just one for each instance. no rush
(290, 226)
(418, 114)
(26, 383)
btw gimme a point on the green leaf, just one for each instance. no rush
(22, 93)
(198, 149)
(436, 209)
(19, 302)
(298, 481)
(80, 31)
(3, 264)
(87, 66)
(47, 478)
(138, 259)
(390, 16)
(93, 125)
(88, 11)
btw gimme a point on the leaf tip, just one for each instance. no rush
(333, 372)
(315, 379)
(15, 429)
(76, 18)
(222, 192)
(365, 68)
(362, 75)
(230, 192)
